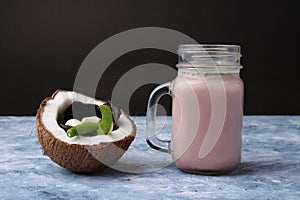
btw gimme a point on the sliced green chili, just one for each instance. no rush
(106, 121)
(83, 129)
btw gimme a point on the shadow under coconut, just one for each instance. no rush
(129, 166)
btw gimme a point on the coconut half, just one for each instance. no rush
(80, 154)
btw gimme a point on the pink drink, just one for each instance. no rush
(207, 110)
(191, 116)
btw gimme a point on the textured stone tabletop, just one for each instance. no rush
(270, 167)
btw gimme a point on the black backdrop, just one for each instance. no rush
(42, 44)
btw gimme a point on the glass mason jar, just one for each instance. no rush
(207, 110)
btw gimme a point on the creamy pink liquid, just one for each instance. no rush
(197, 102)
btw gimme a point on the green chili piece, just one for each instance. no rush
(83, 129)
(106, 121)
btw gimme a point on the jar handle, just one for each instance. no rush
(152, 140)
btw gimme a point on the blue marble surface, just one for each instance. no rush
(270, 167)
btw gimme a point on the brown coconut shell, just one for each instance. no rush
(80, 158)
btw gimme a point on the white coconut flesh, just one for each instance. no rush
(55, 108)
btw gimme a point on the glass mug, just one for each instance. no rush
(207, 110)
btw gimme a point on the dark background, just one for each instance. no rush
(43, 43)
